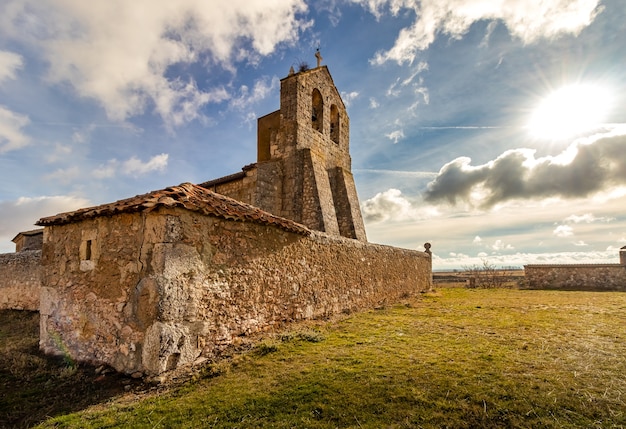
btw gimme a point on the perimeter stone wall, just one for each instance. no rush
(596, 277)
(20, 280)
(164, 288)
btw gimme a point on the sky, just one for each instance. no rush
(493, 129)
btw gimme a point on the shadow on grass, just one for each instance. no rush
(34, 387)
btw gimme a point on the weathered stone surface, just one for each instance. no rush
(185, 285)
(20, 280)
(593, 277)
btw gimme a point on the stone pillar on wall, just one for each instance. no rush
(622, 256)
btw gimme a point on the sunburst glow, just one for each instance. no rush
(570, 111)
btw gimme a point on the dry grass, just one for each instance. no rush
(34, 387)
(461, 358)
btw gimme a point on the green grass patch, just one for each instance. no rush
(461, 358)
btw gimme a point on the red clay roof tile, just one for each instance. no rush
(186, 195)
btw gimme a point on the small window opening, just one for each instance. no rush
(88, 250)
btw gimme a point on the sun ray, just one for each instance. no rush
(570, 111)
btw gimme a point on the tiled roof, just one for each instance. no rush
(186, 195)
(28, 233)
(230, 178)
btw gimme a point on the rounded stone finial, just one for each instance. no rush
(427, 247)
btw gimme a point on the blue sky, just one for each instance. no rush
(494, 129)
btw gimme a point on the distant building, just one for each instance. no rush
(28, 240)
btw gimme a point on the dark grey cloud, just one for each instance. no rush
(517, 174)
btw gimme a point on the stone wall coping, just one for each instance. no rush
(573, 265)
(323, 237)
(20, 255)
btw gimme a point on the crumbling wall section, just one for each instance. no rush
(592, 277)
(20, 280)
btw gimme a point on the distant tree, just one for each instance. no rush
(485, 275)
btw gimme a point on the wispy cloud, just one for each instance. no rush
(131, 167)
(563, 231)
(527, 20)
(349, 97)
(262, 88)
(12, 136)
(587, 218)
(135, 167)
(10, 62)
(395, 136)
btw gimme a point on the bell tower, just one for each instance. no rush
(303, 162)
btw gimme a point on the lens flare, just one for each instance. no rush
(570, 111)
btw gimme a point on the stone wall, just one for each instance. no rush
(167, 287)
(20, 280)
(596, 277)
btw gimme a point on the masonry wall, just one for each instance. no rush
(241, 189)
(20, 280)
(606, 277)
(178, 285)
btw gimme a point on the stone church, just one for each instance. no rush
(157, 281)
(303, 169)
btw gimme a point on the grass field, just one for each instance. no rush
(459, 358)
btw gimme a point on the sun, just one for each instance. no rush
(570, 111)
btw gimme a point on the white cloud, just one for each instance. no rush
(373, 103)
(580, 243)
(527, 20)
(11, 135)
(563, 231)
(349, 97)
(107, 170)
(135, 167)
(396, 136)
(9, 63)
(59, 153)
(588, 167)
(262, 88)
(520, 259)
(119, 53)
(21, 214)
(131, 167)
(500, 245)
(388, 205)
(64, 175)
(587, 218)
(477, 240)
